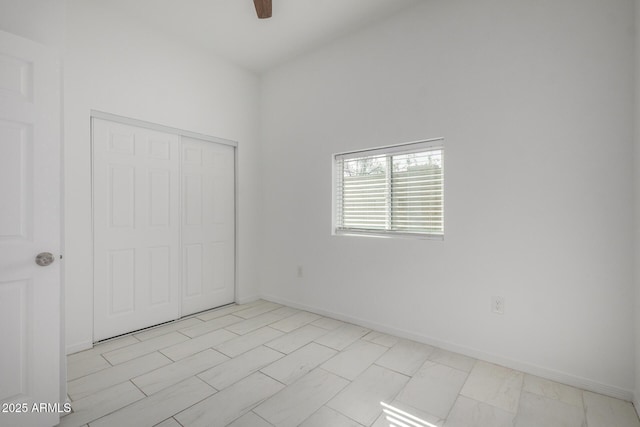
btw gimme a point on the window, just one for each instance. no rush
(391, 190)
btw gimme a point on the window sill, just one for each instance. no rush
(388, 235)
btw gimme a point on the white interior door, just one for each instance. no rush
(136, 228)
(30, 297)
(208, 225)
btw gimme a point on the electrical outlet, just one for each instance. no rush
(497, 305)
(300, 271)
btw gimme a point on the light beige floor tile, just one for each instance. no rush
(85, 386)
(250, 312)
(495, 385)
(343, 336)
(295, 321)
(161, 378)
(253, 303)
(169, 422)
(276, 354)
(285, 311)
(397, 414)
(165, 329)
(604, 411)
(433, 389)
(405, 357)
(254, 323)
(197, 344)
(535, 410)
(231, 403)
(328, 323)
(231, 371)
(361, 399)
(211, 325)
(87, 365)
(325, 417)
(294, 404)
(355, 359)
(454, 360)
(471, 413)
(296, 339)
(250, 419)
(158, 407)
(103, 347)
(295, 365)
(553, 390)
(100, 404)
(243, 343)
(220, 312)
(380, 338)
(144, 347)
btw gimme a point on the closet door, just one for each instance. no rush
(208, 225)
(136, 182)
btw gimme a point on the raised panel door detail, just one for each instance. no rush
(30, 222)
(159, 149)
(122, 281)
(122, 196)
(122, 143)
(164, 218)
(14, 351)
(219, 162)
(193, 200)
(136, 190)
(159, 197)
(192, 155)
(209, 214)
(160, 274)
(217, 266)
(219, 202)
(16, 168)
(16, 78)
(193, 270)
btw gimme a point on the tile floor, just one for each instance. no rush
(264, 364)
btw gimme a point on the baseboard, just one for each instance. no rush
(86, 345)
(247, 300)
(74, 348)
(550, 374)
(636, 404)
(66, 402)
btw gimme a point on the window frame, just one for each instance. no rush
(388, 150)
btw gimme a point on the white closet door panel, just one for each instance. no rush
(160, 275)
(136, 228)
(192, 270)
(192, 200)
(208, 224)
(159, 198)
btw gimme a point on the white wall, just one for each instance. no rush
(39, 20)
(532, 100)
(119, 66)
(535, 102)
(636, 215)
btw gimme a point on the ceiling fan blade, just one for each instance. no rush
(263, 8)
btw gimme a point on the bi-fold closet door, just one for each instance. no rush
(164, 226)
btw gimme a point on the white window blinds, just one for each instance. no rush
(397, 189)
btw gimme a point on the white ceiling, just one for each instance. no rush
(231, 29)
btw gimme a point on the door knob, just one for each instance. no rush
(44, 258)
